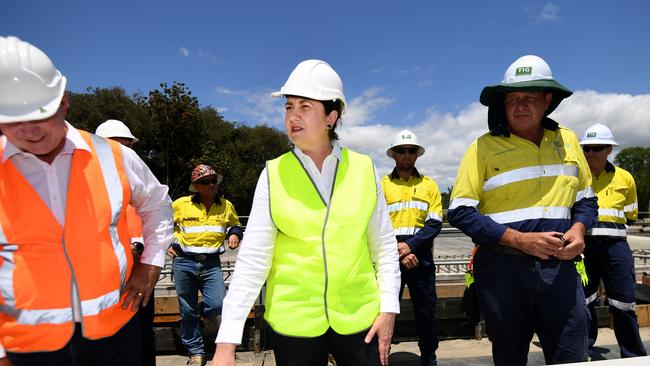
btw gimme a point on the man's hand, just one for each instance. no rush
(575, 242)
(172, 252)
(139, 287)
(5, 361)
(383, 328)
(233, 241)
(403, 249)
(410, 261)
(224, 355)
(542, 245)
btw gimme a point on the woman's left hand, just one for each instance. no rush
(383, 328)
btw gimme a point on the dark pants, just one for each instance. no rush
(523, 295)
(422, 288)
(124, 348)
(610, 259)
(347, 350)
(146, 315)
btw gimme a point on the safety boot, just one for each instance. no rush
(196, 360)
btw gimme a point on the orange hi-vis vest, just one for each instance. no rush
(40, 259)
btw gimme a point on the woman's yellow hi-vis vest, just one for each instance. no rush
(322, 275)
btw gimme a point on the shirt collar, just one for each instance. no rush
(336, 152)
(609, 167)
(73, 142)
(395, 175)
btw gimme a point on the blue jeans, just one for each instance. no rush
(190, 277)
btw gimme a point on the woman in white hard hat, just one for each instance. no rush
(319, 234)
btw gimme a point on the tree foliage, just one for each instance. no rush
(636, 160)
(176, 134)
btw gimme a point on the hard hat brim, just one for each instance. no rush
(598, 142)
(389, 152)
(287, 92)
(193, 189)
(495, 94)
(28, 113)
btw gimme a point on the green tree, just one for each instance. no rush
(174, 135)
(636, 160)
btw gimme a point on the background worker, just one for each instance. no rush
(202, 222)
(118, 131)
(69, 289)
(523, 195)
(607, 254)
(320, 236)
(415, 208)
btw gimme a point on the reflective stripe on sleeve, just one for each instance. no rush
(457, 202)
(531, 213)
(631, 207)
(433, 216)
(406, 230)
(531, 172)
(585, 193)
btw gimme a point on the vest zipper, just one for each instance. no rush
(327, 214)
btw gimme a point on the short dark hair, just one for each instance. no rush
(333, 105)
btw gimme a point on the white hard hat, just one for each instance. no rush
(314, 79)
(598, 134)
(31, 88)
(527, 73)
(115, 128)
(405, 137)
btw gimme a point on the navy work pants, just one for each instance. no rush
(422, 288)
(610, 259)
(520, 295)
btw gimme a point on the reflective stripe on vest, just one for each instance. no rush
(38, 267)
(321, 275)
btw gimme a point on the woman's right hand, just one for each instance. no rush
(224, 355)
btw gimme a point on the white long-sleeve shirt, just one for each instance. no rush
(148, 195)
(256, 252)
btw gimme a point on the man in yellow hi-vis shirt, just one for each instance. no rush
(523, 195)
(202, 222)
(607, 254)
(415, 209)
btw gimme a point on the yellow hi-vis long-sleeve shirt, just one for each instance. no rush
(617, 201)
(511, 182)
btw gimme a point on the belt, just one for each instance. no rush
(196, 256)
(506, 250)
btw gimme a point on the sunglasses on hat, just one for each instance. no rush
(404, 150)
(205, 182)
(593, 148)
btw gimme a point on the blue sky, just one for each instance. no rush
(405, 64)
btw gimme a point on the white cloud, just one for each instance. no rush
(549, 13)
(184, 52)
(425, 83)
(447, 136)
(362, 109)
(376, 70)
